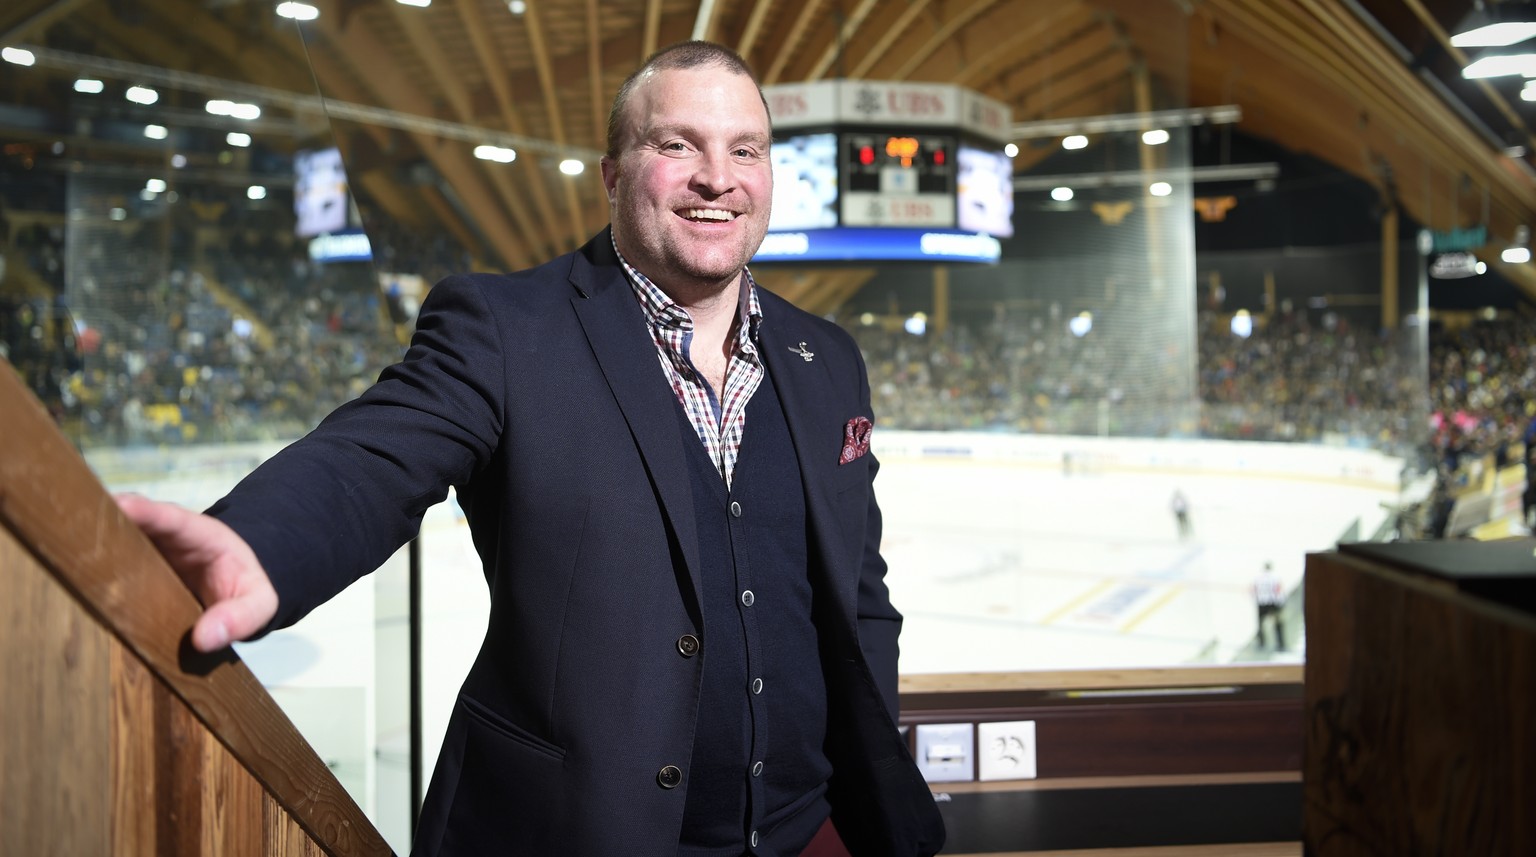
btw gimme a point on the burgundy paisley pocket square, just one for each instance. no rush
(855, 439)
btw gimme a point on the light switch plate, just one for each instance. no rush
(946, 752)
(1006, 751)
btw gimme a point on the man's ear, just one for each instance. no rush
(610, 175)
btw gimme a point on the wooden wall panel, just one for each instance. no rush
(53, 706)
(192, 743)
(1420, 702)
(134, 804)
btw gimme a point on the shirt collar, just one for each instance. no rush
(660, 309)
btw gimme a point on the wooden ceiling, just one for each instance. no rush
(1346, 81)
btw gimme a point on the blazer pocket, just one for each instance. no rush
(507, 729)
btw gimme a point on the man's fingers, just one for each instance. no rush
(235, 618)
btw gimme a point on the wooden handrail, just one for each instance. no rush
(58, 511)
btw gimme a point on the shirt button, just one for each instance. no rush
(747, 598)
(688, 645)
(670, 777)
(735, 509)
(757, 769)
(757, 685)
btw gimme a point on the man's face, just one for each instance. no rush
(692, 186)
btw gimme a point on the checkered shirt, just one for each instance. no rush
(719, 421)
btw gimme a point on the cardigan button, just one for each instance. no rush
(687, 645)
(670, 777)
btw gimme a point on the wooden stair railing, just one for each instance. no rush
(115, 736)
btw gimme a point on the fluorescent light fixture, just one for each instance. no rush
(298, 11)
(1011, 150)
(1495, 35)
(418, 3)
(233, 109)
(1516, 255)
(256, 191)
(178, 161)
(495, 153)
(1160, 189)
(141, 95)
(17, 56)
(1061, 194)
(89, 86)
(1501, 65)
(517, 7)
(1076, 141)
(155, 185)
(235, 138)
(156, 132)
(572, 167)
(1155, 137)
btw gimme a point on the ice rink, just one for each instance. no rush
(1054, 557)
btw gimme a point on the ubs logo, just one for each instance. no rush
(867, 102)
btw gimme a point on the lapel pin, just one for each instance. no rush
(804, 354)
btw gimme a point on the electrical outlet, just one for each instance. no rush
(1006, 751)
(945, 752)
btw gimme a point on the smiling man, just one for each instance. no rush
(666, 471)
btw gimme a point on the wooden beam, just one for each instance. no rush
(790, 41)
(541, 238)
(553, 109)
(877, 51)
(28, 20)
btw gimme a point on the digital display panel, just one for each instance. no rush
(985, 191)
(804, 182)
(319, 192)
(898, 179)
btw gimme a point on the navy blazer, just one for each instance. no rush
(539, 397)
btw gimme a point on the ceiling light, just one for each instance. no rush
(155, 185)
(141, 95)
(1496, 24)
(89, 86)
(256, 191)
(1155, 137)
(298, 11)
(572, 167)
(1160, 189)
(1501, 65)
(178, 161)
(1516, 255)
(235, 138)
(118, 214)
(1011, 150)
(517, 7)
(498, 154)
(147, 195)
(1061, 194)
(17, 56)
(418, 3)
(156, 132)
(1076, 141)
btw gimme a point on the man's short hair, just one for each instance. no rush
(694, 54)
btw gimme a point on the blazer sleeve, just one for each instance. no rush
(334, 505)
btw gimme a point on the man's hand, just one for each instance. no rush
(215, 562)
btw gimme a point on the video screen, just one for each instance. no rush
(986, 192)
(804, 183)
(319, 192)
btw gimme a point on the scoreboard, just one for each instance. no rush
(868, 171)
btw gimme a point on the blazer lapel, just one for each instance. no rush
(806, 393)
(615, 329)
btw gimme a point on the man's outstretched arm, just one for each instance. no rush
(220, 568)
